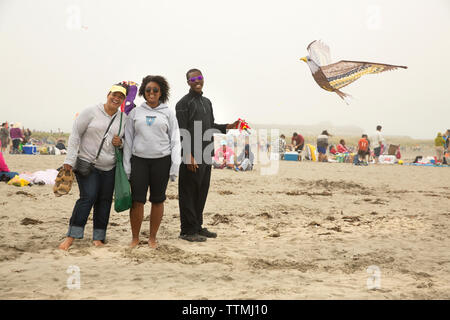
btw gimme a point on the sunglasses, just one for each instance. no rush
(155, 90)
(196, 78)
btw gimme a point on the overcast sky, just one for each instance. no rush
(59, 56)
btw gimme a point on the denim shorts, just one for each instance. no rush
(322, 150)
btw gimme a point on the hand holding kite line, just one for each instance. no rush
(332, 77)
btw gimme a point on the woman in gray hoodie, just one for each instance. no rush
(152, 154)
(93, 139)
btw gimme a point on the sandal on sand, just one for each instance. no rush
(60, 175)
(63, 182)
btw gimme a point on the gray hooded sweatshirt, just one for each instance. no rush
(87, 135)
(152, 133)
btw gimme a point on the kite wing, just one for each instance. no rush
(319, 52)
(344, 72)
(128, 104)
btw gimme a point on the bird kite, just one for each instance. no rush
(333, 76)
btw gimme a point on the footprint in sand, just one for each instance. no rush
(264, 215)
(218, 218)
(225, 192)
(310, 194)
(351, 219)
(27, 221)
(275, 234)
(26, 194)
(280, 264)
(10, 253)
(337, 229)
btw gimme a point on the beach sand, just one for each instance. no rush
(309, 232)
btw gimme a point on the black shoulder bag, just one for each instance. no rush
(83, 167)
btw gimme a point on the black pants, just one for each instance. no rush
(153, 173)
(192, 192)
(15, 144)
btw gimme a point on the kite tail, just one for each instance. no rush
(344, 96)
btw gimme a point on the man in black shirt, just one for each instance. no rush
(194, 111)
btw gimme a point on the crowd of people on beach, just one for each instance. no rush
(160, 145)
(13, 139)
(368, 150)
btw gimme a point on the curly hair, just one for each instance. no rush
(163, 85)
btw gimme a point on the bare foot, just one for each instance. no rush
(153, 243)
(134, 243)
(98, 243)
(65, 245)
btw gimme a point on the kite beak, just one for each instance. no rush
(304, 59)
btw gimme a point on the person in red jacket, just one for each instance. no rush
(333, 150)
(341, 147)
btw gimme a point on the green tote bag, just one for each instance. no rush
(122, 189)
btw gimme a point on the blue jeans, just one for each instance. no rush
(96, 190)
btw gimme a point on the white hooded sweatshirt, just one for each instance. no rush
(152, 133)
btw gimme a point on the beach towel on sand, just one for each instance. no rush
(41, 177)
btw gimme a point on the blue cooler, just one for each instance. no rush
(291, 156)
(29, 149)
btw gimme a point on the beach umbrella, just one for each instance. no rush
(333, 76)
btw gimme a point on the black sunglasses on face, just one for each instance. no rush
(155, 90)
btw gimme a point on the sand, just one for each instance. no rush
(309, 232)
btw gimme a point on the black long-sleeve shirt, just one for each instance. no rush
(195, 107)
